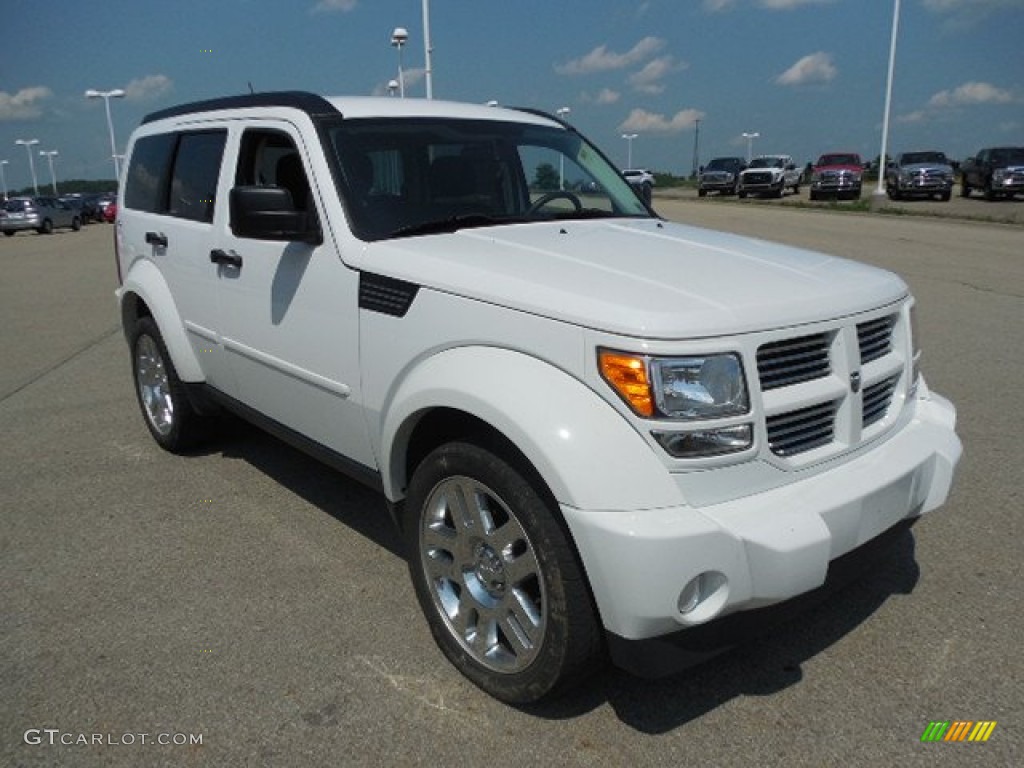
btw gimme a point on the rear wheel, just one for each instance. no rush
(965, 188)
(76, 224)
(46, 228)
(169, 415)
(496, 576)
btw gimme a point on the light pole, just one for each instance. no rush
(28, 144)
(696, 145)
(117, 93)
(3, 177)
(561, 112)
(629, 148)
(880, 190)
(49, 154)
(392, 87)
(750, 144)
(428, 51)
(398, 39)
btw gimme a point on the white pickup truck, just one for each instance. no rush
(769, 175)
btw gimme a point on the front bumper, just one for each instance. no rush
(765, 548)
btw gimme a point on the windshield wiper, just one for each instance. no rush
(453, 224)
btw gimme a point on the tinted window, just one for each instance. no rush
(147, 173)
(194, 179)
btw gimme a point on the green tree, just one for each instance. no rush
(546, 177)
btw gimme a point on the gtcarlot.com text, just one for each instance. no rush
(56, 737)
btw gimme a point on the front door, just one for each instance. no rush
(290, 309)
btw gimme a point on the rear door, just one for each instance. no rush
(171, 188)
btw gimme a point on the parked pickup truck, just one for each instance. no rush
(997, 172)
(837, 174)
(721, 175)
(770, 175)
(919, 174)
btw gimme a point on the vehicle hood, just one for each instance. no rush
(644, 278)
(922, 167)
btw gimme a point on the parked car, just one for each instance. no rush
(110, 213)
(837, 174)
(721, 175)
(641, 180)
(769, 175)
(101, 206)
(919, 174)
(43, 214)
(85, 205)
(997, 172)
(598, 430)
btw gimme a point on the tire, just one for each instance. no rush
(812, 195)
(778, 193)
(965, 189)
(496, 576)
(46, 228)
(990, 194)
(894, 193)
(702, 193)
(944, 197)
(9, 232)
(169, 416)
(76, 224)
(742, 195)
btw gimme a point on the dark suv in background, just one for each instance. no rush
(997, 172)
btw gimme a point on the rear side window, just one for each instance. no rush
(194, 179)
(144, 187)
(175, 174)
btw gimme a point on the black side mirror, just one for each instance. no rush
(268, 213)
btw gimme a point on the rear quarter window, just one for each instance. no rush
(146, 181)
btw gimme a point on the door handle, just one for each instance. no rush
(157, 238)
(230, 259)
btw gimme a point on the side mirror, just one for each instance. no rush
(268, 213)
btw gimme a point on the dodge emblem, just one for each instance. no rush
(855, 382)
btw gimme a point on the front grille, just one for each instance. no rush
(876, 400)
(802, 430)
(788, 362)
(875, 338)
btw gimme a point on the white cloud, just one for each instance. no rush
(608, 96)
(602, 60)
(815, 68)
(788, 5)
(642, 121)
(971, 93)
(149, 87)
(958, 6)
(717, 6)
(25, 104)
(327, 6)
(912, 117)
(412, 77)
(648, 79)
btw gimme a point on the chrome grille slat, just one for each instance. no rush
(875, 338)
(877, 398)
(783, 363)
(802, 430)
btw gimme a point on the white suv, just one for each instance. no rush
(597, 430)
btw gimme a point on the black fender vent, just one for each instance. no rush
(385, 294)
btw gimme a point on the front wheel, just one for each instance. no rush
(46, 228)
(497, 579)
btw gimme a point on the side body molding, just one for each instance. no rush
(587, 453)
(145, 281)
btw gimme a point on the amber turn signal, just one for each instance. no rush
(627, 375)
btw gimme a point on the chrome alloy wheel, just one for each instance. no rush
(154, 385)
(483, 574)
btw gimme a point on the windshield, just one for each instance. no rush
(401, 177)
(913, 158)
(1011, 156)
(723, 164)
(839, 160)
(767, 162)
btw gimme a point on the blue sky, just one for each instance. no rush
(808, 75)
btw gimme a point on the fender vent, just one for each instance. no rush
(385, 294)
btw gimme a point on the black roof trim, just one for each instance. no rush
(309, 103)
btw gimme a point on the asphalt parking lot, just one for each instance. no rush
(250, 596)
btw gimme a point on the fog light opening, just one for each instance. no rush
(703, 597)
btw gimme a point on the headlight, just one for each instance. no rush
(856, 175)
(689, 388)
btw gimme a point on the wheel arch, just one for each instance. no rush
(583, 451)
(145, 294)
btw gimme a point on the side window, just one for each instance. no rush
(194, 178)
(146, 181)
(269, 158)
